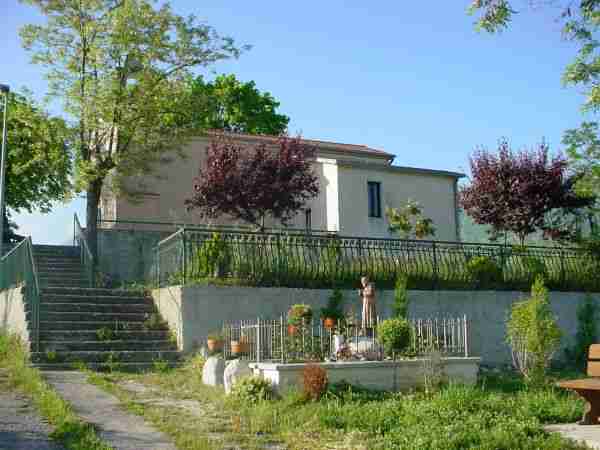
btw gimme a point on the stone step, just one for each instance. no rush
(105, 346)
(99, 299)
(42, 248)
(103, 357)
(139, 308)
(63, 282)
(122, 367)
(91, 335)
(90, 292)
(75, 271)
(90, 325)
(93, 316)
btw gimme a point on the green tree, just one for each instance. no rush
(122, 69)
(229, 104)
(410, 221)
(400, 306)
(38, 163)
(581, 22)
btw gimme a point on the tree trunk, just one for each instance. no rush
(91, 217)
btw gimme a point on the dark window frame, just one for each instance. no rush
(308, 219)
(374, 199)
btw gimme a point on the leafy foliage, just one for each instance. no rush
(231, 105)
(334, 308)
(123, 72)
(314, 381)
(532, 333)
(299, 314)
(580, 25)
(410, 221)
(394, 334)
(212, 258)
(484, 271)
(401, 301)
(252, 390)
(514, 192)
(250, 184)
(587, 317)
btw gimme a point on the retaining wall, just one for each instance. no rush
(195, 311)
(13, 316)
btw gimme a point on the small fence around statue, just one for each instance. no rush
(274, 340)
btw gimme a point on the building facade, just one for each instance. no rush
(356, 184)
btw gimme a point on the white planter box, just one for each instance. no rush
(380, 375)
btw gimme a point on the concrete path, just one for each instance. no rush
(118, 428)
(21, 427)
(586, 434)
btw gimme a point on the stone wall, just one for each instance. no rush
(13, 315)
(195, 311)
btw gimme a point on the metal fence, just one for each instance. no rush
(17, 268)
(87, 260)
(276, 341)
(301, 259)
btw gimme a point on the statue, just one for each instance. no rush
(369, 314)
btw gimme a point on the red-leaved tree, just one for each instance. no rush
(516, 191)
(250, 183)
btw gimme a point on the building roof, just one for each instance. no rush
(326, 145)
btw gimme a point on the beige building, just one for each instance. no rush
(356, 183)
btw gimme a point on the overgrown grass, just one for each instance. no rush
(501, 412)
(68, 429)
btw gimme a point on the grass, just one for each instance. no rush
(501, 412)
(68, 429)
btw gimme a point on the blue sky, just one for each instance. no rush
(415, 81)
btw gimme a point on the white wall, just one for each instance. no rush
(434, 192)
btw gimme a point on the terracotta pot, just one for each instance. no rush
(292, 330)
(236, 348)
(329, 322)
(214, 345)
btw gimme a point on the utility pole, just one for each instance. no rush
(5, 89)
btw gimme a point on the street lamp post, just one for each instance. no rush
(5, 89)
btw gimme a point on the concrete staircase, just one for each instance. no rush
(102, 328)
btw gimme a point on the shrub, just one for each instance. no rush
(400, 307)
(484, 271)
(334, 308)
(532, 333)
(299, 314)
(213, 257)
(587, 315)
(252, 389)
(394, 334)
(534, 267)
(314, 381)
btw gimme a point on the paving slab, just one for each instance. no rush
(117, 427)
(21, 427)
(586, 434)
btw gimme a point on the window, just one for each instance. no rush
(308, 218)
(374, 189)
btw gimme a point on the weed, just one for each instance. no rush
(105, 334)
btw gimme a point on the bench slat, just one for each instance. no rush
(593, 368)
(594, 351)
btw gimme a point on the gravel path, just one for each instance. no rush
(21, 427)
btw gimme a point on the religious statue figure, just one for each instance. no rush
(369, 313)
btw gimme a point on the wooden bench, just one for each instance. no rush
(589, 388)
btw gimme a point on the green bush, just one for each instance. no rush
(212, 258)
(334, 308)
(532, 333)
(299, 314)
(394, 334)
(534, 267)
(484, 271)
(400, 307)
(252, 390)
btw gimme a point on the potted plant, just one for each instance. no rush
(214, 342)
(236, 347)
(333, 312)
(298, 315)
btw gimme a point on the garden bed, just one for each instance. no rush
(398, 375)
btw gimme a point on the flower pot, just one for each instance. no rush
(236, 348)
(292, 330)
(329, 322)
(214, 345)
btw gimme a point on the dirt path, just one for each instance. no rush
(21, 427)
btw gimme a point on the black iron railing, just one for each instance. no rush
(300, 259)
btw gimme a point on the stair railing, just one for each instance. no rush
(17, 268)
(85, 253)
